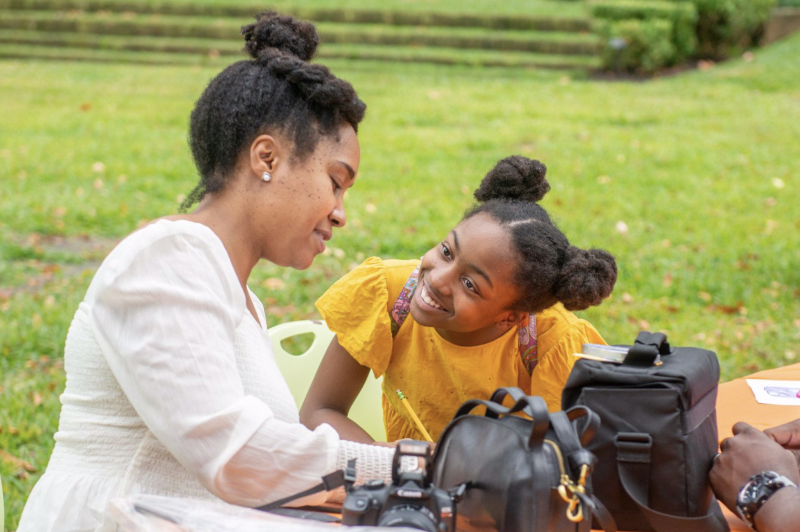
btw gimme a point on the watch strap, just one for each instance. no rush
(757, 491)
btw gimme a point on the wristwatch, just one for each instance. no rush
(757, 492)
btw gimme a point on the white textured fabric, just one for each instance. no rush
(172, 389)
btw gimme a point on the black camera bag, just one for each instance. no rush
(658, 435)
(514, 466)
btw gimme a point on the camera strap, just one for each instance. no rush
(337, 479)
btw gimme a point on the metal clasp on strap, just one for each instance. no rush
(569, 492)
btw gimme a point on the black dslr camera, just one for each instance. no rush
(410, 500)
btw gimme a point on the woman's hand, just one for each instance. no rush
(747, 453)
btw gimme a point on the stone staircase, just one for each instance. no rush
(182, 33)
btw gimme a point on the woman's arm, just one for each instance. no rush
(336, 385)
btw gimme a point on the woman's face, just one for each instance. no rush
(309, 198)
(466, 282)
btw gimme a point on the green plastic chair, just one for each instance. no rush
(299, 371)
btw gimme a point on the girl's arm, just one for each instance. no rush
(336, 385)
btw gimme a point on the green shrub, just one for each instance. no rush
(725, 26)
(648, 43)
(682, 14)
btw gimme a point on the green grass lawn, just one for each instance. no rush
(700, 170)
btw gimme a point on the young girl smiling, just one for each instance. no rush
(489, 306)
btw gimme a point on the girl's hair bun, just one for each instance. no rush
(280, 32)
(587, 278)
(514, 177)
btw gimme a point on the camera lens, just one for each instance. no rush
(410, 516)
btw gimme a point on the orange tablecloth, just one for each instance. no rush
(736, 402)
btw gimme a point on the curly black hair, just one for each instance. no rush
(277, 91)
(549, 269)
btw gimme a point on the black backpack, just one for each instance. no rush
(525, 473)
(658, 434)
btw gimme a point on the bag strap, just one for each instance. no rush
(527, 343)
(647, 348)
(590, 425)
(603, 516)
(402, 306)
(533, 406)
(633, 467)
(570, 439)
(337, 479)
(573, 439)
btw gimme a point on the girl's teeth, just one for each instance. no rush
(426, 298)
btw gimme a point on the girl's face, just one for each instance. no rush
(307, 199)
(466, 283)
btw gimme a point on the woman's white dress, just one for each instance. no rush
(172, 389)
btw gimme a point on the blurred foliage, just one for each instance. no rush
(642, 46)
(728, 26)
(648, 39)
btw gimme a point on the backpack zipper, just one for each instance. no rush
(567, 487)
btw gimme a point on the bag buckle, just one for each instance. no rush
(569, 491)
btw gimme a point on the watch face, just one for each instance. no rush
(755, 493)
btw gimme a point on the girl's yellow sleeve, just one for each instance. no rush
(355, 308)
(552, 371)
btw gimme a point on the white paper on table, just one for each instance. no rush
(775, 392)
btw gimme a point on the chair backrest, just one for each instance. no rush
(299, 371)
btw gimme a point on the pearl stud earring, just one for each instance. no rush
(266, 177)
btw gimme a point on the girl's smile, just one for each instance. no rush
(428, 301)
(465, 287)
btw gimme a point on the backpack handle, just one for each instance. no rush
(591, 422)
(647, 348)
(533, 406)
(500, 394)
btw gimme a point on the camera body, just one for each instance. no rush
(410, 500)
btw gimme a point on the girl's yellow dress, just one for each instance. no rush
(435, 375)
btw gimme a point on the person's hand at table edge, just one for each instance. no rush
(746, 455)
(788, 436)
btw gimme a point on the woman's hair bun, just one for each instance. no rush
(281, 32)
(514, 177)
(587, 278)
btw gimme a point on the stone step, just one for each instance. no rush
(572, 17)
(560, 43)
(207, 48)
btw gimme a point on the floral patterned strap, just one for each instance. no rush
(527, 330)
(528, 349)
(399, 311)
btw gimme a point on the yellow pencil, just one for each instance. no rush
(413, 415)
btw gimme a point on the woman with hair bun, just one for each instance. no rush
(172, 386)
(489, 306)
